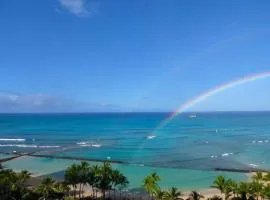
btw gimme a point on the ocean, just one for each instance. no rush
(185, 152)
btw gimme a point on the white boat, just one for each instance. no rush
(192, 116)
(150, 137)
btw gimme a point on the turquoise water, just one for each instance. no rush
(184, 152)
(182, 178)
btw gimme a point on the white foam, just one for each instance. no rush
(12, 139)
(226, 154)
(213, 156)
(96, 145)
(91, 145)
(253, 165)
(260, 141)
(27, 146)
(151, 137)
(81, 143)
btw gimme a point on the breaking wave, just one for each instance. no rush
(13, 139)
(28, 146)
(89, 144)
(221, 155)
(260, 141)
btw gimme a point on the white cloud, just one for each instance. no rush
(18, 103)
(78, 7)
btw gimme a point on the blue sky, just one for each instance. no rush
(145, 55)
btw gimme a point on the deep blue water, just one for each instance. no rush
(228, 139)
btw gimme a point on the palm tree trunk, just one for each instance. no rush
(103, 193)
(74, 191)
(79, 191)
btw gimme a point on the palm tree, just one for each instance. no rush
(150, 183)
(258, 176)
(72, 178)
(155, 177)
(220, 184)
(243, 190)
(83, 173)
(256, 188)
(46, 188)
(93, 178)
(123, 182)
(13, 184)
(61, 187)
(172, 194)
(115, 179)
(233, 186)
(104, 177)
(266, 177)
(118, 180)
(22, 177)
(159, 194)
(194, 195)
(266, 191)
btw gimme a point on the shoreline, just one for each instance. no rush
(135, 192)
(206, 191)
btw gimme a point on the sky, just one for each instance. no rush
(125, 55)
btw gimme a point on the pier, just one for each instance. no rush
(248, 170)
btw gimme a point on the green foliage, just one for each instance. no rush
(258, 176)
(223, 185)
(159, 194)
(215, 197)
(266, 177)
(172, 194)
(105, 178)
(12, 185)
(150, 183)
(194, 195)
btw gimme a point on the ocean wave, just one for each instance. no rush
(253, 165)
(260, 141)
(91, 145)
(226, 154)
(221, 155)
(28, 146)
(213, 156)
(13, 139)
(81, 143)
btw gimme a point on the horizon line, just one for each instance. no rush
(130, 112)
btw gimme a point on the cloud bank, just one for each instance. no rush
(42, 103)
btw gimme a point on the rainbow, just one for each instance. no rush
(211, 92)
